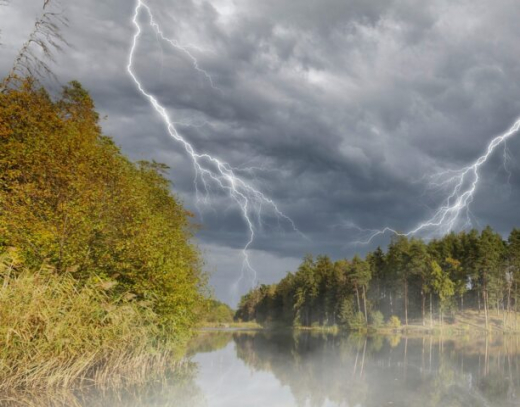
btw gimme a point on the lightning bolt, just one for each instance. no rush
(462, 185)
(208, 169)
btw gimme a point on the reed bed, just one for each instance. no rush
(55, 334)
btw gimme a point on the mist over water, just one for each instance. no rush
(275, 369)
(305, 369)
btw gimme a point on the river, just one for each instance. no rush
(311, 369)
(288, 368)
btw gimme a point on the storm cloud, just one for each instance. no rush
(345, 107)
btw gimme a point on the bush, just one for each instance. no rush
(346, 312)
(217, 312)
(394, 322)
(376, 319)
(357, 322)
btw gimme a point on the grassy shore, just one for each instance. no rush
(460, 323)
(470, 321)
(54, 334)
(230, 325)
(101, 282)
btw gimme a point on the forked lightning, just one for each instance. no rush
(208, 169)
(462, 185)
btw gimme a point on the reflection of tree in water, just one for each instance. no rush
(348, 371)
(179, 390)
(374, 371)
(209, 341)
(308, 364)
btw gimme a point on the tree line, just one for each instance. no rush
(411, 280)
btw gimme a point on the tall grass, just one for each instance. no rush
(54, 333)
(178, 390)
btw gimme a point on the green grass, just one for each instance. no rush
(458, 324)
(462, 323)
(319, 328)
(230, 325)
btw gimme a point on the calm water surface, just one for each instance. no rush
(287, 369)
(239, 369)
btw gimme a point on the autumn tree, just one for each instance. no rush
(69, 198)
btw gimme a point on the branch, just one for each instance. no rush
(36, 53)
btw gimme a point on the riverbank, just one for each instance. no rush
(91, 291)
(230, 326)
(460, 323)
(55, 334)
(470, 321)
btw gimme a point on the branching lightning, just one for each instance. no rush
(208, 169)
(461, 185)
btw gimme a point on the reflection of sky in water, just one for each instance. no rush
(291, 369)
(314, 370)
(226, 381)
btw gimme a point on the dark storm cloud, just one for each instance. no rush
(347, 104)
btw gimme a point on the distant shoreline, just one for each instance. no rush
(459, 324)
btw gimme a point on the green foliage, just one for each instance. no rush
(346, 311)
(377, 319)
(357, 322)
(70, 199)
(217, 312)
(394, 322)
(441, 284)
(411, 279)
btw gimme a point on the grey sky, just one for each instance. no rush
(347, 105)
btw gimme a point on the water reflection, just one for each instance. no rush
(180, 390)
(276, 369)
(307, 369)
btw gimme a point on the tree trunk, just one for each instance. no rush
(516, 302)
(423, 306)
(365, 303)
(357, 297)
(484, 298)
(406, 302)
(509, 298)
(431, 310)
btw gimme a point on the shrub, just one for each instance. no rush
(376, 319)
(357, 322)
(394, 322)
(346, 312)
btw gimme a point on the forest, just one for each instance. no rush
(412, 280)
